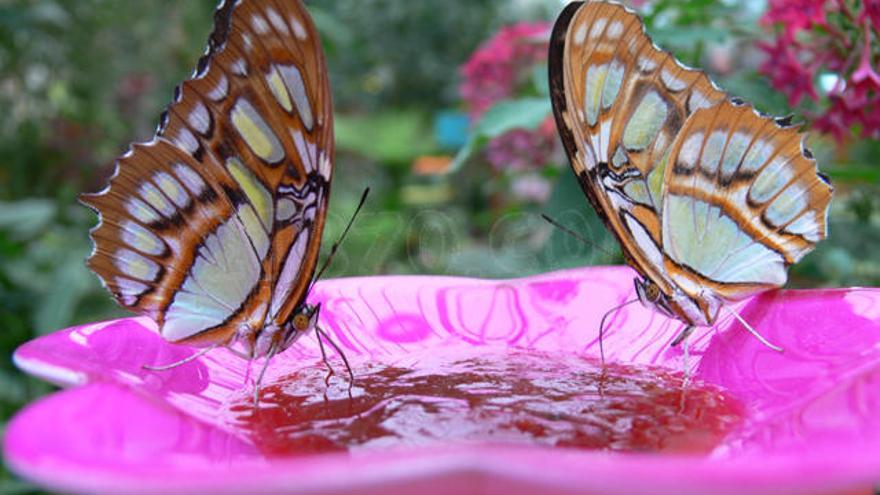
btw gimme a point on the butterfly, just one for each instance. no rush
(213, 228)
(710, 200)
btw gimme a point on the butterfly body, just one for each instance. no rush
(710, 200)
(213, 227)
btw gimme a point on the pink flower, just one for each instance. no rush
(501, 63)
(836, 121)
(499, 69)
(531, 187)
(864, 77)
(855, 103)
(787, 73)
(871, 11)
(809, 427)
(810, 42)
(795, 15)
(523, 149)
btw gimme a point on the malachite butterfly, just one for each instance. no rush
(710, 200)
(213, 227)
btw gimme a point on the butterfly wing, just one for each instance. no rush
(742, 201)
(709, 200)
(216, 222)
(619, 102)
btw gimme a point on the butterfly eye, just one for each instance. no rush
(652, 292)
(301, 322)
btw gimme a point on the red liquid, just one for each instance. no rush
(506, 397)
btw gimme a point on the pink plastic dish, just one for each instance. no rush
(811, 428)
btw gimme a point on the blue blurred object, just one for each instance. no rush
(451, 129)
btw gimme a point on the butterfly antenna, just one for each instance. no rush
(602, 326)
(574, 234)
(753, 331)
(336, 244)
(183, 361)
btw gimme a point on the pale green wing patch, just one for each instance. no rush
(225, 271)
(645, 122)
(743, 198)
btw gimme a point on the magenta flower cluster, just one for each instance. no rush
(502, 64)
(523, 149)
(834, 41)
(502, 68)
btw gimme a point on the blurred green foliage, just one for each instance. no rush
(80, 79)
(378, 49)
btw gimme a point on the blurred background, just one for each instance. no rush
(443, 112)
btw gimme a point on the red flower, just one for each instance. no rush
(871, 11)
(786, 72)
(835, 121)
(795, 15)
(810, 43)
(864, 77)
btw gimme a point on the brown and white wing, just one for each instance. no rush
(619, 102)
(743, 201)
(217, 221)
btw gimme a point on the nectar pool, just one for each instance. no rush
(498, 397)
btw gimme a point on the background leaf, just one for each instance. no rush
(526, 113)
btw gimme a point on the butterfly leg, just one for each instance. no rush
(238, 353)
(330, 371)
(686, 363)
(683, 335)
(183, 361)
(341, 354)
(753, 331)
(269, 355)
